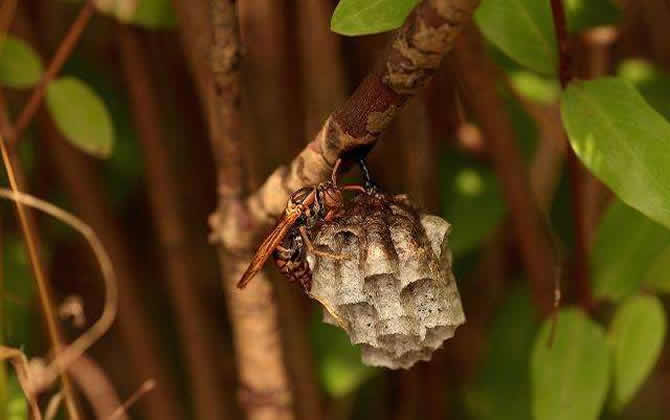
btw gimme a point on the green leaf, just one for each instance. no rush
(20, 66)
(622, 140)
(361, 17)
(584, 14)
(522, 29)
(81, 115)
(626, 246)
(570, 378)
(471, 201)
(501, 390)
(636, 338)
(340, 367)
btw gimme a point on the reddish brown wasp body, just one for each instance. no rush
(288, 241)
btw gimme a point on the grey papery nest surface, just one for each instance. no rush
(395, 295)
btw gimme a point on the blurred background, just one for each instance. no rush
(121, 140)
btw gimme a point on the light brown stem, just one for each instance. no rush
(193, 325)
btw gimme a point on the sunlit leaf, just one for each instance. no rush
(627, 244)
(636, 337)
(124, 168)
(471, 202)
(340, 367)
(622, 140)
(522, 29)
(81, 115)
(570, 378)
(360, 17)
(501, 390)
(20, 66)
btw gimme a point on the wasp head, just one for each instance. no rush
(331, 196)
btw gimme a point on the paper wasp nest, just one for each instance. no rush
(395, 295)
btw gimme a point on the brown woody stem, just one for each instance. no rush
(576, 170)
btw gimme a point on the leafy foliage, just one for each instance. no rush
(636, 337)
(522, 29)
(627, 246)
(20, 66)
(502, 389)
(361, 17)
(570, 377)
(81, 115)
(622, 140)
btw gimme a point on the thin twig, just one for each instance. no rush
(63, 358)
(576, 169)
(16, 177)
(64, 50)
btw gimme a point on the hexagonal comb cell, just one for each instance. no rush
(395, 295)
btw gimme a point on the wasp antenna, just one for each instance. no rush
(333, 176)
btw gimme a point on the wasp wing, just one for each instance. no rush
(267, 247)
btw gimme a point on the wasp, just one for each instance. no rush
(289, 240)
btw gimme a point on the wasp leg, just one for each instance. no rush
(313, 250)
(370, 185)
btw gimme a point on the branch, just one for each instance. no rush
(577, 171)
(479, 77)
(413, 57)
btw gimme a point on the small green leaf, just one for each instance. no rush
(584, 14)
(501, 390)
(622, 140)
(81, 115)
(522, 29)
(626, 246)
(20, 66)
(636, 337)
(570, 378)
(361, 17)
(340, 366)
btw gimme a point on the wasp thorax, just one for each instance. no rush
(394, 294)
